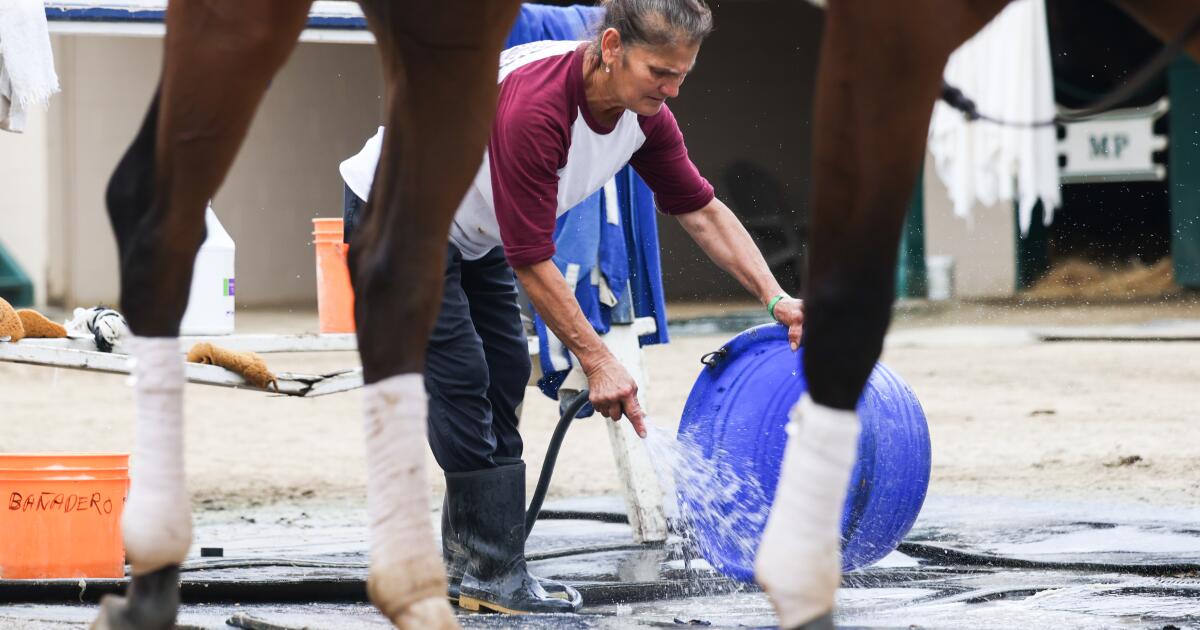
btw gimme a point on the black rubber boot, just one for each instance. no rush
(150, 602)
(453, 554)
(487, 512)
(455, 557)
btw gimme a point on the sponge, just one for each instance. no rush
(248, 364)
(39, 326)
(10, 323)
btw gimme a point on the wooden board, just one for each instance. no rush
(64, 356)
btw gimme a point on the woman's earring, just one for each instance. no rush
(607, 69)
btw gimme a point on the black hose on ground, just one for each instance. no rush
(570, 409)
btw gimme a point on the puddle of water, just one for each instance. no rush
(731, 610)
(999, 615)
(1067, 531)
(869, 599)
(1104, 600)
(989, 516)
(1122, 538)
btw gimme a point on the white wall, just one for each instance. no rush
(107, 83)
(983, 248)
(23, 199)
(320, 108)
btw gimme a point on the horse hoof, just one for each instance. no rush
(433, 613)
(111, 617)
(151, 603)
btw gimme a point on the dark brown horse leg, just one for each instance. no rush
(220, 55)
(440, 61)
(880, 72)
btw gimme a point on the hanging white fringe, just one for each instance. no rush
(27, 77)
(1005, 69)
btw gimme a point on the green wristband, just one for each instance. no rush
(774, 301)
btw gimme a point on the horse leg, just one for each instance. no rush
(156, 200)
(439, 60)
(879, 75)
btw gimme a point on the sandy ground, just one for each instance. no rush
(1009, 416)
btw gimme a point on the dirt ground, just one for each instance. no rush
(1009, 416)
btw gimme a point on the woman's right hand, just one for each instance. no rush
(614, 392)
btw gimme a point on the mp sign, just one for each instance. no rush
(1116, 147)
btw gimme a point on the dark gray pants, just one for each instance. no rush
(477, 365)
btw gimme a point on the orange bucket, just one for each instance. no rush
(60, 515)
(69, 461)
(335, 296)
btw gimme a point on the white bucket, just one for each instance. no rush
(210, 302)
(939, 276)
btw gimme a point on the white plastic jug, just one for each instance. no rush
(939, 277)
(210, 302)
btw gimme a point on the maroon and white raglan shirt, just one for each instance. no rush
(547, 153)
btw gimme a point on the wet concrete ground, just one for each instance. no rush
(969, 563)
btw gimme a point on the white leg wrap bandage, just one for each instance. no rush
(157, 522)
(799, 560)
(406, 566)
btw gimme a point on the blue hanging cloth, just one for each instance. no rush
(640, 221)
(538, 22)
(607, 246)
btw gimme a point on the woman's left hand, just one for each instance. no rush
(790, 312)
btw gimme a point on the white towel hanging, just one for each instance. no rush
(27, 77)
(1005, 69)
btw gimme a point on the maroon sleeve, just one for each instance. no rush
(663, 162)
(526, 151)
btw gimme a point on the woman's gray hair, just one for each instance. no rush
(655, 22)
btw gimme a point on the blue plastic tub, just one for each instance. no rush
(736, 416)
